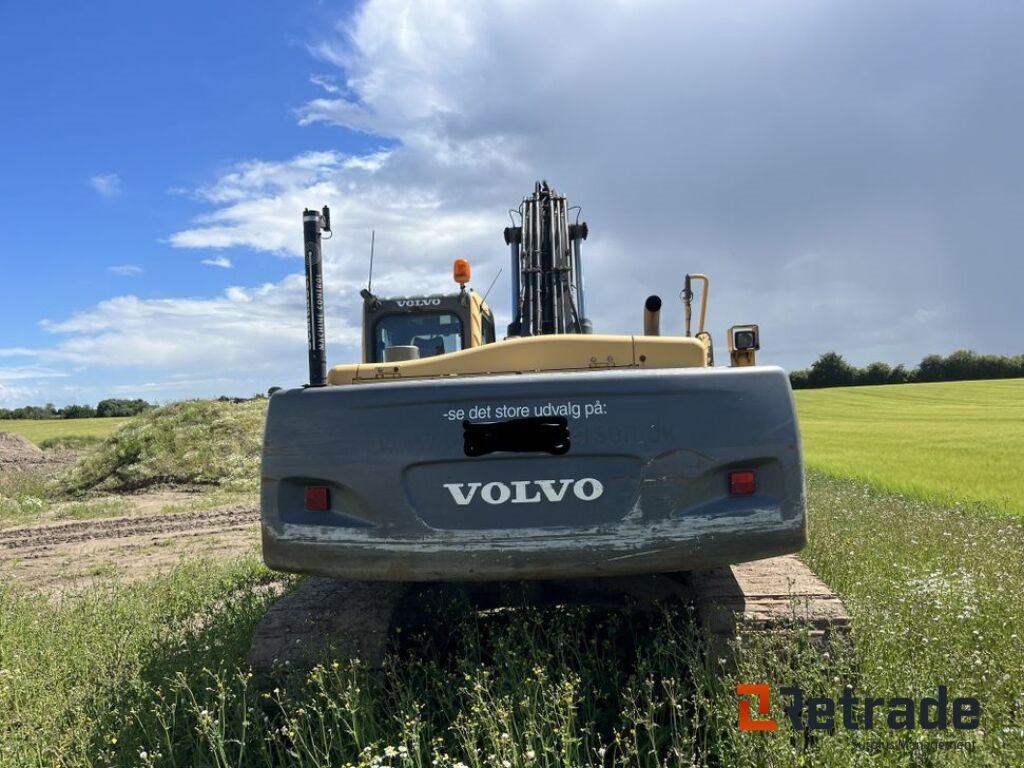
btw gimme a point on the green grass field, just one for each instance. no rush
(154, 673)
(49, 429)
(959, 442)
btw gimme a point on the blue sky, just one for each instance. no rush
(115, 112)
(849, 174)
(158, 101)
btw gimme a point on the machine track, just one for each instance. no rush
(355, 619)
(326, 616)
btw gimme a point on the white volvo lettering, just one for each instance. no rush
(496, 493)
(521, 495)
(548, 488)
(594, 486)
(418, 302)
(525, 491)
(461, 497)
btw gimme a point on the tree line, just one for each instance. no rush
(109, 407)
(831, 370)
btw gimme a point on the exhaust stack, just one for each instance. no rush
(652, 316)
(313, 223)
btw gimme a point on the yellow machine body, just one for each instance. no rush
(567, 352)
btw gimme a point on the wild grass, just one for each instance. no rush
(198, 442)
(154, 674)
(30, 497)
(953, 442)
(43, 430)
(24, 497)
(72, 442)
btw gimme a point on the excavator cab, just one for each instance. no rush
(415, 327)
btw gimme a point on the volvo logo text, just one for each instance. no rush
(525, 491)
(418, 302)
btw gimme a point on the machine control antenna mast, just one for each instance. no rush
(314, 223)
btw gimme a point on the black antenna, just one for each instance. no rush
(488, 293)
(369, 279)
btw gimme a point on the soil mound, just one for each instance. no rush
(15, 449)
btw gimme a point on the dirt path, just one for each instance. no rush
(69, 556)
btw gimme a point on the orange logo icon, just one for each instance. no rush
(746, 722)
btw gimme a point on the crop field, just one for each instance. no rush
(954, 442)
(39, 431)
(152, 671)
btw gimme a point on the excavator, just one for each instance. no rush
(552, 456)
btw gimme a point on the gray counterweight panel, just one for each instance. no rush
(645, 479)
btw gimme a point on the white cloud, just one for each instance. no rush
(125, 270)
(29, 373)
(832, 167)
(752, 143)
(16, 396)
(17, 352)
(26, 384)
(106, 184)
(327, 82)
(244, 329)
(219, 261)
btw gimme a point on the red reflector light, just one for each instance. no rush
(742, 483)
(318, 498)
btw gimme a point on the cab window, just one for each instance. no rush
(433, 333)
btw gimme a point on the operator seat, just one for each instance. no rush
(430, 346)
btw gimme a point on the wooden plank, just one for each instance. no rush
(766, 594)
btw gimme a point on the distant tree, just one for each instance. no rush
(932, 368)
(34, 412)
(994, 367)
(875, 373)
(78, 412)
(961, 365)
(898, 375)
(115, 407)
(831, 370)
(798, 379)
